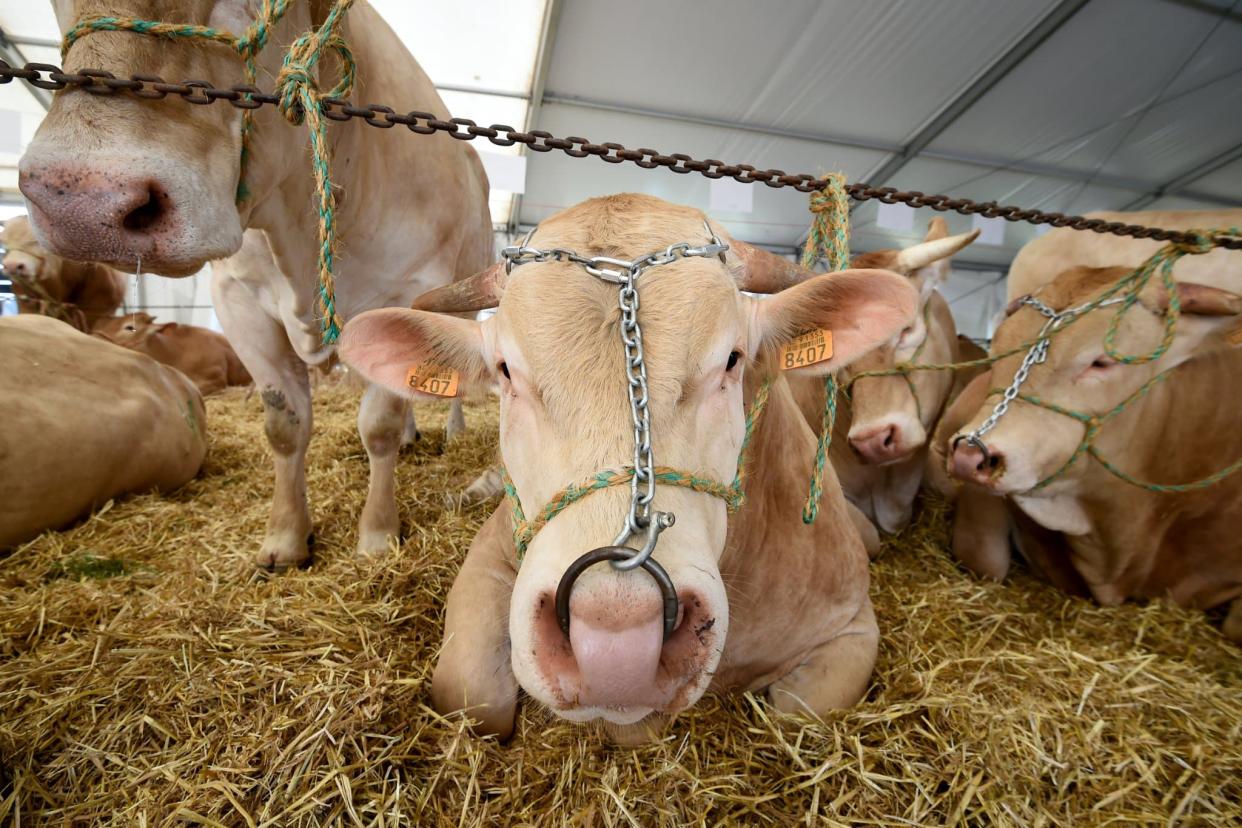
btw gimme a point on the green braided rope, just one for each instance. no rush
(829, 234)
(300, 102)
(734, 494)
(810, 510)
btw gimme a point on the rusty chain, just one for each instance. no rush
(99, 82)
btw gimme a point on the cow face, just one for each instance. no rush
(130, 330)
(553, 351)
(119, 179)
(888, 423)
(22, 255)
(1030, 443)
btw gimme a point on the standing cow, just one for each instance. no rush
(766, 601)
(879, 445)
(201, 354)
(86, 421)
(79, 293)
(128, 181)
(1073, 518)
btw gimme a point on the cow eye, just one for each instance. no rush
(1103, 362)
(504, 369)
(734, 356)
(130, 328)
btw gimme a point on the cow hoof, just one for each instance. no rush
(486, 486)
(377, 543)
(281, 552)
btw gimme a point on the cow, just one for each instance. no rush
(879, 446)
(201, 354)
(86, 421)
(79, 293)
(135, 182)
(1072, 517)
(1042, 259)
(766, 601)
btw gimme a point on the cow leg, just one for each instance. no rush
(410, 434)
(284, 386)
(981, 533)
(381, 422)
(836, 674)
(486, 486)
(474, 673)
(456, 420)
(1232, 628)
(866, 529)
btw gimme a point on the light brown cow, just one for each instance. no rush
(79, 293)
(766, 600)
(1086, 529)
(86, 421)
(126, 179)
(201, 354)
(1042, 259)
(879, 446)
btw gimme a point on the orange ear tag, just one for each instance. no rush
(434, 379)
(807, 349)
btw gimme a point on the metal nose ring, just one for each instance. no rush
(616, 553)
(974, 440)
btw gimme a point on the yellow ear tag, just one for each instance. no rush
(434, 379)
(807, 349)
(1234, 337)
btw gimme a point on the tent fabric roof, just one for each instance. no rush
(1066, 105)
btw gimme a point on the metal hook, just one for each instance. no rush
(657, 524)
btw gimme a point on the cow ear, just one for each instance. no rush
(861, 308)
(1197, 299)
(416, 354)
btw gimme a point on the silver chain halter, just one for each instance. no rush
(1037, 354)
(640, 519)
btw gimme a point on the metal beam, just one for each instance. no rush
(14, 57)
(538, 85)
(1178, 185)
(993, 74)
(33, 41)
(989, 162)
(1208, 8)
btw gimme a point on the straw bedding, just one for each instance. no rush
(148, 678)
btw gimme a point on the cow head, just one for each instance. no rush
(23, 257)
(553, 350)
(1030, 443)
(120, 179)
(888, 424)
(131, 330)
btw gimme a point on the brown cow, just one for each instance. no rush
(1088, 530)
(201, 354)
(79, 293)
(879, 446)
(766, 601)
(86, 421)
(129, 180)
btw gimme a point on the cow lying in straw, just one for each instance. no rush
(1093, 455)
(202, 355)
(85, 421)
(882, 427)
(763, 600)
(78, 293)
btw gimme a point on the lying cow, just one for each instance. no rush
(79, 293)
(201, 354)
(879, 446)
(1087, 530)
(86, 421)
(125, 180)
(766, 601)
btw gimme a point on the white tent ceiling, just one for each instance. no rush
(1068, 105)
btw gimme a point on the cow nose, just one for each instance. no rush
(879, 445)
(976, 462)
(16, 266)
(95, 215)
(615, 655)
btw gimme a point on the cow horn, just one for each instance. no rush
(766, 272)
(482, 290)
(921, 255)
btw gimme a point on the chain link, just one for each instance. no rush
(99, 82)
(625, 273)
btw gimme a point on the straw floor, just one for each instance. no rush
(147, 678)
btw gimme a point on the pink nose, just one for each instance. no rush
(16, 266)
(968, 462)
(91, 214)
(615, 655)
(881, 444)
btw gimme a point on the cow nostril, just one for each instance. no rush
(994, 462)
(146, 214)
(888, 439)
